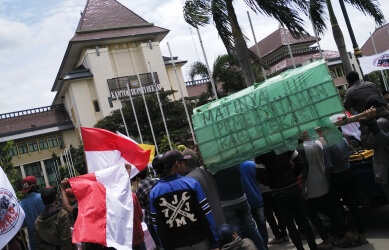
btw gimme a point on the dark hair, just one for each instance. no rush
(352, 77)
(48, 195)
(143, 174)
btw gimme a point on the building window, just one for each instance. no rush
(33, 146)
(339, 71)
(60, 141)
(14, 151)
(22, 147)
(53, 141)
(96, 105)
(43, 143)
(51, 172)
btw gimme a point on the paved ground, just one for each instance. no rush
(377, 231)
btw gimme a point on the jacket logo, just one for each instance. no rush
(175, 208)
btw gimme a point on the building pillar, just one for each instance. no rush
(44, 173)
(22, 170)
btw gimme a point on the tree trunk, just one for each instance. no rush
(339, 39)
(241, 50)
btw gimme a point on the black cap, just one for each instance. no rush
(157, 164)
(225, 233)
(170, 157)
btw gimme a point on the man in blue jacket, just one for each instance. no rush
(32, 205)
(179, 209)
(254, 197)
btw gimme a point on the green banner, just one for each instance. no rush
(268, 116)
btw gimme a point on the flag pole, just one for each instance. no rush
(206, 62)
(257, 46)
(182, 95)
(289, 49)
(135, 116)
(160, 106)
(316, 36)
(382, 72)
(148, 115)
(71, 160)
(121, 112)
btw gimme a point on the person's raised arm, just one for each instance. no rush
(65, 202)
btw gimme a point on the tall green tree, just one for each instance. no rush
(225, 70)
(199, 13)
(6, 163)
(317, 13)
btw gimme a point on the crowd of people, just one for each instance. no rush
(185, 207)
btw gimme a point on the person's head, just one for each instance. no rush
(49, 195)
(142, 174)
(375, 101)
(70, 195)
(157, 164)
(29, 183)
(352, 77)
(174, 162)
(193, 162)
(227, 233)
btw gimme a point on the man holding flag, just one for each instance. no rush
(106, 206)
(11, 214)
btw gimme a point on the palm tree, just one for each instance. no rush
(367, 7)
(198, 13)
(225, 70)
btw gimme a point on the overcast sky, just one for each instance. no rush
(34, 35)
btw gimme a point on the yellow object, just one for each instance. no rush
(151, 148)
(361, 155)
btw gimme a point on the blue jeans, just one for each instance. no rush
(239, 214)
(260, 219)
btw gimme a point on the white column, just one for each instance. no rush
(22, 170)
(44, 173)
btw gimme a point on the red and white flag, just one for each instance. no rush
(105, 149)
(105, 208)
(11, 214)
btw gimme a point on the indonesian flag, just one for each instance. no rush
(11, 214)
(105, 149)
(143, 146)
(105, 208)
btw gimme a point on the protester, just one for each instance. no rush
(208, 184)
(358, 92)
(138, 234)
(316, 185)
(278, 227)
(52, 227)
(32, 205)
(230, 240)
(254, 197)
(234, 203)
(374, 135)
(143, 191)
(342, 184)
(179, 209)
(282, 179)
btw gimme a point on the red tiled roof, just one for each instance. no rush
(381, 38)
(34, 119)
(106, 14)
(117, 33)
(277, 39)
(102, 19)
(300, 59)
